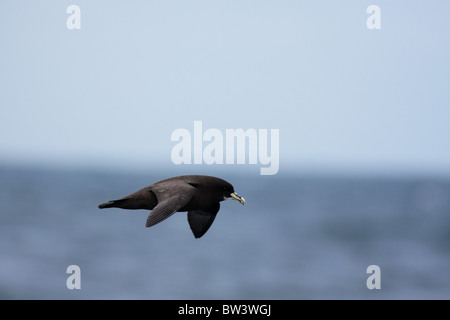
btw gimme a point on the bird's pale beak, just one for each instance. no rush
(236, 197)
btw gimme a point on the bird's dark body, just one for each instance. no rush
(199, 195)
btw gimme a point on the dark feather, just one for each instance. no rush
(201, 220)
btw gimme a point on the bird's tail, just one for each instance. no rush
(109, 204)
(126, 203)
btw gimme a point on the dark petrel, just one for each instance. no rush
(199, 195)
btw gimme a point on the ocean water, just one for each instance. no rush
(297, 237)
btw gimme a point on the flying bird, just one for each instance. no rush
(199, 195)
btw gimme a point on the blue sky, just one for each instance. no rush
(343, 97)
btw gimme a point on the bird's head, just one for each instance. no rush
(229, 193)
(218, 189)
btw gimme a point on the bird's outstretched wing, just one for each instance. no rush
(201, 220)
(171, 197)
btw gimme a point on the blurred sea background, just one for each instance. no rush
(297, 237)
